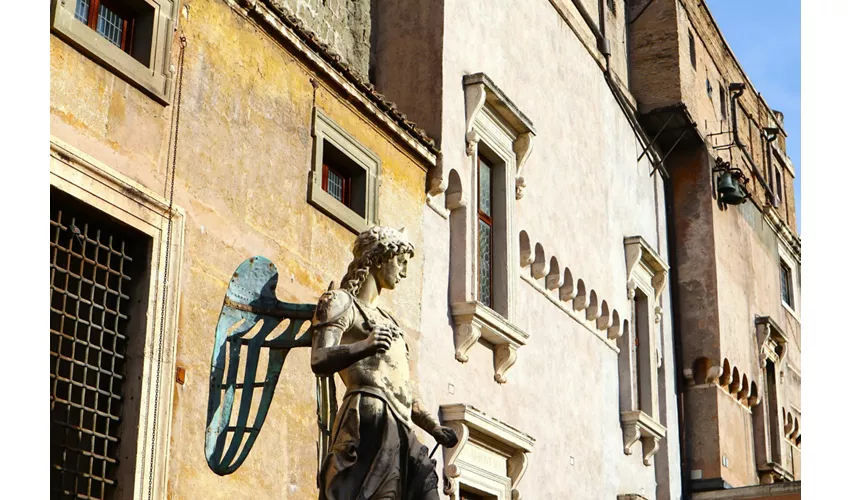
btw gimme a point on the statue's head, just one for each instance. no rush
(382, 252)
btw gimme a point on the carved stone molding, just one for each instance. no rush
(479, 91)
(772, 341)
(490, 455)
(638, 426)
(645, 266)
(473, 321)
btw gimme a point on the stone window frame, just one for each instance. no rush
(768, 432)
(496, 128)
(647, 272)
(785, 257)
(326, 130)
(97, 185)
(481, 434)
(156, 79)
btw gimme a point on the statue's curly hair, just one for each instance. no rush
(372, 247)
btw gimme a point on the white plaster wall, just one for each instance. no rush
(585, 194)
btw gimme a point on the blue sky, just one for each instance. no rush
(765, 37)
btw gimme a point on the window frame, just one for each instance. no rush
(692, 48)
(786, 284)
(325, 130)
(99, 186)
(154, 79)
(346, 183)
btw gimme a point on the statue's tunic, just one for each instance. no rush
(374, 453)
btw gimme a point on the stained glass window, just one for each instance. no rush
(485, 233)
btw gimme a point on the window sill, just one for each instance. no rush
(150, 80)
(638, 426)
(331, 207)
(474, 321)
(791, 311)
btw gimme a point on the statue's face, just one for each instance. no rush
(392, 272)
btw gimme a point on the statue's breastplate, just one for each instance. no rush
(384, 374)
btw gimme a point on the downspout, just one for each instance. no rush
(736, 90)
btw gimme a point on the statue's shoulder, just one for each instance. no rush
(332, 305)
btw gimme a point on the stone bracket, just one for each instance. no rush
(474, 321)
(638, 426)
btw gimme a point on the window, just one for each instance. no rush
(345, 176)
(125, 24)
(786, 284)
(485, 233)
(722, 100)
(489, 461)
(612, 6)
(779, 187)
(692, 49)
(480, 197)
(646, 279)
(98, 276)
(130, 37)
(142, 321)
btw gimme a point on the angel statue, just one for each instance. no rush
(372, 453)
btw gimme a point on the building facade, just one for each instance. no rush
(580, 309)
(736, 267)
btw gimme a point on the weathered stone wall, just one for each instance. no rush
(585, 194)
(245, 150)
(345, 25)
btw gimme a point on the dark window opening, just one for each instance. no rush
(612, 6)
(778, 192)
(99, 277)
(485, 232)
(692, 49)
(722, 100)
(643, 359)
(786, 284)
(343, 179)
(127, 24)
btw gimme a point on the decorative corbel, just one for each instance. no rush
(466, 335)
(615, 331)
(504, 358)
(659, 282)
(631, 435)
(651, 444)
(475, 95)
(451, 471)
(713, 374)
(522, 147)
(517, 465)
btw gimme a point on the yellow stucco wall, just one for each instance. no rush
(245, 150)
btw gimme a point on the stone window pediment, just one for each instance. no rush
(490, 456)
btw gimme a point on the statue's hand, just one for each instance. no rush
(380, 339)
(445, 436)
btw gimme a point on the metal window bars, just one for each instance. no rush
(88, 315)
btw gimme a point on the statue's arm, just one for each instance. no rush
(422, 418)
(334, 316)
(443, 435)
(329, 357)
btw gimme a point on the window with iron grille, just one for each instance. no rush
(345, 176)
(127, 24)
(98, 279)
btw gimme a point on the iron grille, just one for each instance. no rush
(89, 301)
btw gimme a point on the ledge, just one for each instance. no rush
(503, 464)
(473, 321)
(638, 426)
